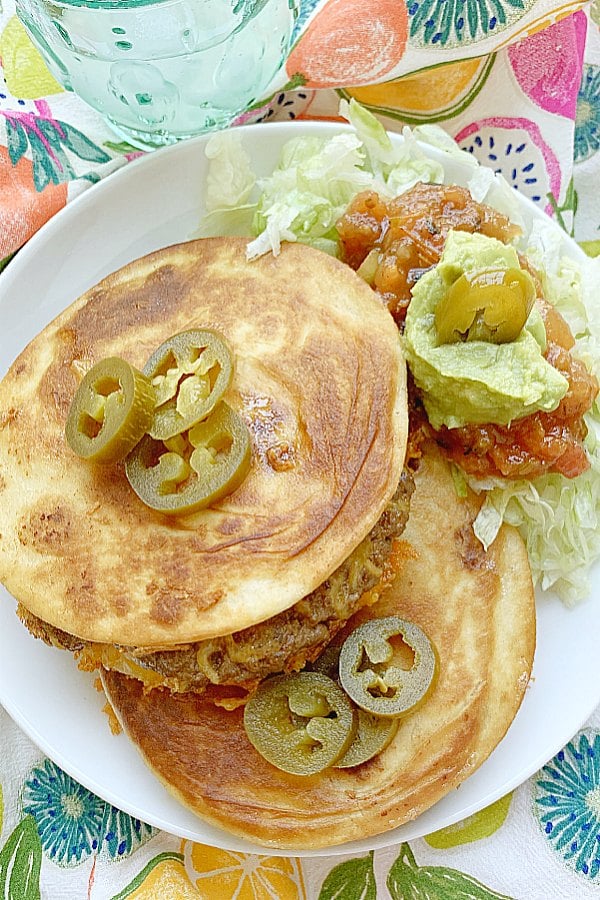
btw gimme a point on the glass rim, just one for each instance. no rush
(111, 4)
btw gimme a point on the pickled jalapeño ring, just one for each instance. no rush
(190, 372)
(371, 670)
(111, 410)
(490, 305)
(373, 734)
(301, 723)
(192, 470)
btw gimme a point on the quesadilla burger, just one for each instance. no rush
(478, 611)
(248, 516)
(319, 381)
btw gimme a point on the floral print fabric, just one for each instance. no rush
(516, 83)
(58, 840)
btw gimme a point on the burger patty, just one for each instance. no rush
(285, 642)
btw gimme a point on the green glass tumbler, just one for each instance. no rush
(163, 70)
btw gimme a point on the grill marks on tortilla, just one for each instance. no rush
(311, 341)
(284, 642)
(117, 308)
(481, 620)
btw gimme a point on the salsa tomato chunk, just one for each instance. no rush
(393, 243)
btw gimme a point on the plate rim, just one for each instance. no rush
(91, 198)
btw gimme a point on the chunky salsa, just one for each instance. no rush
(392, 243)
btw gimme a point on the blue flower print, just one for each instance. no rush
(122, 833)
(567, 803)
(587, 117)
(73, 823)
(455, 22)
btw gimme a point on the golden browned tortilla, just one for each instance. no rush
(320, 382)
(477, 608)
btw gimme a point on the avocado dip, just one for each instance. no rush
(476, 381)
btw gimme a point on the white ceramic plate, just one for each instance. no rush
(149, 204)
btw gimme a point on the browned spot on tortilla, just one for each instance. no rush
(121, 604)
(168, 607)
(8, 417)
(48, 530)
(84, 594)
(470, 549)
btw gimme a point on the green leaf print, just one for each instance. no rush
(45, 169)
(592, 248)
(569, 205)
(61, 164)
(408, 881)
(480, 825)
(3, 264)
(20, 863)
(80, 145)
(16, 138)
(351, 880)
(49, 140)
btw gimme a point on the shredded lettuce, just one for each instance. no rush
(398, 167)
(558, 517)
(230, 178)
(302, 199)
(230, 183)
(312, 184)
(559, 520)
(308, 191)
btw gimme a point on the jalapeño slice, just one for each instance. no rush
(486, 305)
(301, 723)
(190, 372)
(195, 469)
(373, 668)
(373, 734)
(111, 410)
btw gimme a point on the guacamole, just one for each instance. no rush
(476, 381)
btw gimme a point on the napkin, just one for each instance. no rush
(59, 841)
(515, 82)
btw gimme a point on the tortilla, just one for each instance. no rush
(476, 607)
(320, 382)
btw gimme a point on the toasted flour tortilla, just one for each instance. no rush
(476, 607)
(320, 382)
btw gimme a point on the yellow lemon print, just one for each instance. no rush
(429, 95)
(24, 69)
(224, 873)
(164, 877)
(473, 828)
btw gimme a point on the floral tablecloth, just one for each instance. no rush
(517, 83)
